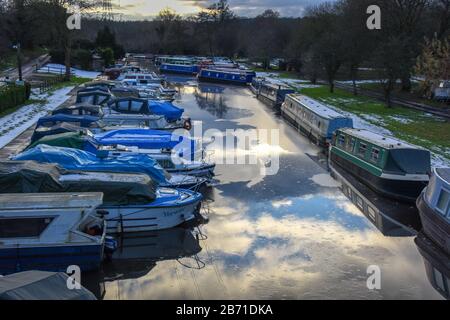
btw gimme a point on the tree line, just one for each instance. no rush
(331, 38)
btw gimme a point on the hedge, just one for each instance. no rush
(13, 95)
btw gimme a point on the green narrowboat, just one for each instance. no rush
(389, 166)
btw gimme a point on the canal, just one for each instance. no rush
(293, 235)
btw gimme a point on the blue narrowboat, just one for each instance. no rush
(273, 94)
(226, 75)
(49, 232)
(179, 65)
(313, 119)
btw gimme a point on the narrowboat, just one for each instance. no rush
(226, 75)
(75, 159)
(168, 160)
(434, 208)
(313, 119)
(273, 94)
(50, 231)
(131, 203)
(391, 167)
(181, 65)
(437, 264)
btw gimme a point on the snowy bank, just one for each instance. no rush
(17, 122)
(61, 69)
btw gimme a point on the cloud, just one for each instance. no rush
(244, 8)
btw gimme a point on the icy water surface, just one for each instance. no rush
(293, 235)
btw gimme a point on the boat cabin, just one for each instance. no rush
(314, 119)
(43, 231)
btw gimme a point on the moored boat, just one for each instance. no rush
(133, 202)
(168, 160)
(391, 167)
(75, 159)
(226, 75)
(313, 119)
(131, 105)
(437, 264)
(50, 231)
(273, 94)
(434, 208)
(181, 65)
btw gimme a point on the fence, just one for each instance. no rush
(47, 84)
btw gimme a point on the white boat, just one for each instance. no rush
(113, 120)
(50, 231)
(133, 201)
(139, 210)
(139, 78)
(171, 162)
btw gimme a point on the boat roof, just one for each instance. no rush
(380, 140)
(50, 200)
(228, 70)
(106, 177)
(444, 174)
(276, 85)
(316, 106)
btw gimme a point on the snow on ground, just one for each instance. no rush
(17, 122)
(60, 69)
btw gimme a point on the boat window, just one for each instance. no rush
(375, 154)
(122, 105)
(166, 163)
(23, 227)
(341, 140)
(439, 280)
(350, 144)
(362, 149)
(371, 212)
(136, 106)
(359, 202)
(443, 201)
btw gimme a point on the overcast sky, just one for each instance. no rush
(249, 8)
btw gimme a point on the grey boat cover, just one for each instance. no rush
(117, 188)
(40, 285)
